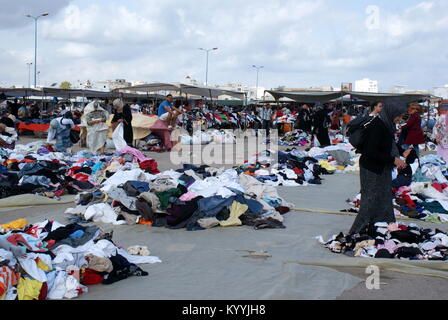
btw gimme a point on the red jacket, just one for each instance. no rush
(415, 132)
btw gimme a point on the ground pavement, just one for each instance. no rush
(217, 263)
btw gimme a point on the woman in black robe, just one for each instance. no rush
(128, 134)
(321, 122)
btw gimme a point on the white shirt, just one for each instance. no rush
(135, 108)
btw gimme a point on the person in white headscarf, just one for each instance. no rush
(94, 118)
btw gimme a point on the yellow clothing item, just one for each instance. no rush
(326, 165)
(236, 211)
(14, 225)
(42, 265)
(28, 289)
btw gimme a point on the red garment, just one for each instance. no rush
(439, 186)
(91, 277)
(43, 291)
(402, 227)
(414, 128)
(81, 177)
(59, 193)
(298, 171)
(149, 166)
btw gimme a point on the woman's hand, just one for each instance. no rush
(407, 153)
(400, 163)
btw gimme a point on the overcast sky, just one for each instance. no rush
(301, 43)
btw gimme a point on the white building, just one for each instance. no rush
(366, 85)
(110, 85)
(441, 92)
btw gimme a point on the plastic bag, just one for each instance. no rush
(118, 139)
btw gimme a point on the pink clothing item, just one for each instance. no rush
(442, 152)
(161, 129)
(389, 245)
(138, 156)
(188, 196)
(393, 227)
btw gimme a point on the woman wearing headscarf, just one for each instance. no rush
(380, 154)
(321, 122)
(413, 127)
(60, 129)
(440, 135)
(94, 118)
(128, 133)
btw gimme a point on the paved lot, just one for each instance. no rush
(210, 264)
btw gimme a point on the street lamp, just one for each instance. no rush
(29, 73)
(258, 70)
(206, 66)
(38, 77)
(35, 43)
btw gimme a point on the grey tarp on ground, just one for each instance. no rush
(25, 200)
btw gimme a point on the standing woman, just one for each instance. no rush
(321, 122)
(440, 135)
(128, 133)
(379, 155)
(414, 130)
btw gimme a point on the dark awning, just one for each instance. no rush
(307, 96)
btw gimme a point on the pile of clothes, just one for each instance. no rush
(297, 138)
(36, 169)
(153, 143)
(296, 167)
(194, 198)
(391, 241)
(421, 193)
(48, 260)
(212, 136)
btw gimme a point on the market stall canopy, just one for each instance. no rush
(307, 96)
(19, 92)
(196, 90)
(71, 93)
(327, 96)
(372, 97)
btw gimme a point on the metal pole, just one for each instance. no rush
(29, 74)
(206, 70)
(35, 52)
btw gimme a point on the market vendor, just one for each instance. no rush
(168, 112)
(94, 119)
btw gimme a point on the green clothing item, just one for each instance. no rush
(433, 218)
(165, 196)
(433, 207)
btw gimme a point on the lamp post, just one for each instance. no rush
(35, 43)
(29, 73)
(38, 78)
(258, 70)
(206, 66)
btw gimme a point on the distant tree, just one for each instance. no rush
(65, 85)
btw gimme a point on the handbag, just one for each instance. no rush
(74, 136)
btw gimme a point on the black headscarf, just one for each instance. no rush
(392, 109)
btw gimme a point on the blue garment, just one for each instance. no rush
(162, 106)
(77, 234)
(211, 206)
(97, 167)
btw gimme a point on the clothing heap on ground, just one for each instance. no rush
(421, 191)
(297, 138)
(193, 197)
(48, 260)
(300, 168)
(391, 241)
(211, 136)
(36, 168)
